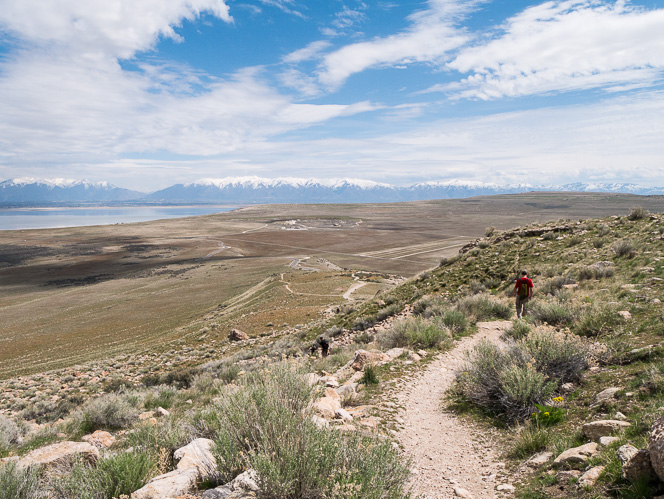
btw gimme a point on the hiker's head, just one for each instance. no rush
(524, 273)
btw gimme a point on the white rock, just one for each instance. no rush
(539, 459)
(589, 478)
(506, 487)
(605, 441)
(577, 454)
(343, 414)
(56, 454)
(460, 492)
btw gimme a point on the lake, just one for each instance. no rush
(51, 218)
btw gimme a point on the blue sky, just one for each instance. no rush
(148, 93)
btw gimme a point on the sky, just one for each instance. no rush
(145, 94)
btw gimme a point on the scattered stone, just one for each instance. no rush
(506, 487)
(347, 392)
(567, 387)
(100, 439)
(237, 335)
(626, 452)
(539, 460)
(603, 428)
(606, 441)
(589, 478)
(161, 413)
(365, 357)
(327, 406)
(577, 454)
(606, 395)
(638, 466)
(625, 314)
(320, 422)
(145, 415)
(343, 414)
(59, 454)
(330, 381)
(312, 379)
(567, 475)
(619, 416)
(396, 352)
(656, 447)
(422, 353)
(460, 492)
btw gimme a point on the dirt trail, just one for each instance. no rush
(447, 453)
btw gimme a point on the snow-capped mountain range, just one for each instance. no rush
(250, 190)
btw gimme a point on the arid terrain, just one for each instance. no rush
(78, 294)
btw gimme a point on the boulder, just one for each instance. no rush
(343, 414)
(577, 454)
(347, 392)
(638, 467)
(161, 413)
(365, 357)
(237, 335)
(656, 447)
(327, 407)
(606, 441)
(396, 352)
(330, 381)
(461, 492)
(589, 478)
(603, 428)
(626, 452)
(196, 463)
(567, 475)
(100, 439)
(606, 395)
(58, 454)
(539, 460)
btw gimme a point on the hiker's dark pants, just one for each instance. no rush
(520, 306)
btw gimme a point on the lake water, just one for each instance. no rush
(50, 218)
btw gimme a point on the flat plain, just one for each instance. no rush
(69, 296)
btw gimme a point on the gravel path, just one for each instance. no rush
(450, 458)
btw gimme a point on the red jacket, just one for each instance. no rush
(523, 281)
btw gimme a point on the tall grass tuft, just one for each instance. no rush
(112, 411)
(415, 332)
(598, 319)
(18, 483)
(555, 313)
(483, 307)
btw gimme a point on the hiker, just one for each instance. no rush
(523, 290)
(324, 345)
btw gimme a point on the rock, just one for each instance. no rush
(221, 492)
(506, 487)
(603, 428)
(606, 441)
(320, 422)
(606, 395)
(365, 357)
(459, 492)
(413, 356)
(330, 381)
(567, 475)
(589, 478)
(422, 353)
(343, 414)
(237, 335)
(619, 416)
(247, 481)
(312, 378)
(197, 454)
(638, 467)
(161, 412)
(347, 392)
(327, 407)
(577, 454)
(626, 452)
(625, 314)
(394, 353)
(539, 459)
(58, 454)
(567, 387)
(145, 415)
(196, 463)
(656, 447)
(100, 439)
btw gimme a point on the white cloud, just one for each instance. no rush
(431, 37)
(117, 28)
(311, 51)
(285, 6)
(349, 17)
(563, 46)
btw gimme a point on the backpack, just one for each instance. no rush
(523, 288)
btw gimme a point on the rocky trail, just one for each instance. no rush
(450, 457)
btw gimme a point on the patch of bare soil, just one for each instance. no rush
(450, 457)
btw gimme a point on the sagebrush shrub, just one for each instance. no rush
(555, 284)
(267, 426)
(10, 434)
(111, 411)
(598, 319)
(561, 357)
(518, 330)
(553, 313)
(388, 311)
(19, 483)
(624, 249)
(483, 307)
(637, 213)
(415, 332)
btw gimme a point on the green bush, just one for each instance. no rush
(530, 440)
(454, 320)
(267, 426)
(388, 311)
(363, 323)
(415, 332)
(10, 434)
(112, 477)
(624, 249)
(482, 307)
(637, 213)
(561, 357)
(369, 376)
(553, 313)
(110, 411)
(18, 483)
(598, 319)
(555, 284)
(518, 330)
(522, 386)
(163, 397)
(547, 415)
(595, 271)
